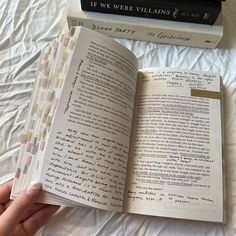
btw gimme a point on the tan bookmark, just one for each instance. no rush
(206, 94)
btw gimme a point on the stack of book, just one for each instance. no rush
(196, 23)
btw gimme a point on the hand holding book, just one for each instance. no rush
(104, 134)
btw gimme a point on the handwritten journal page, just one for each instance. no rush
(87, 152)
(176, 158)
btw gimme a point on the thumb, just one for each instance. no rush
(19, 207)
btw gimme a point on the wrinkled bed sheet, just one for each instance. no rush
(26, 26)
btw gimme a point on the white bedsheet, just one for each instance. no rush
(28, 25)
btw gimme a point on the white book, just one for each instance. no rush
(102, 133)
(153, 30)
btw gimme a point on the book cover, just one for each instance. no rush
(204, 12)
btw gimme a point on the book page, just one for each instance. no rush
(87, 151)
(176, 158)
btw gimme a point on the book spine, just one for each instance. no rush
(178, 11)
(158, 34)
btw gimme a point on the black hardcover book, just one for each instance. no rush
(195, 11)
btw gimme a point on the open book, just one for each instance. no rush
(102, 133)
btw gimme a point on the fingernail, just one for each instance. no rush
(34, 189)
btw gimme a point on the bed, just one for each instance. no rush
(26, 26)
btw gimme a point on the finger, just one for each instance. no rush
(39, 218)
(19, 207)
(5, 191)
(2, 209)
(36, 207)
(31, 211)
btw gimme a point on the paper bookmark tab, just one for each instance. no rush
(42, 144)
(28, 160)
(64, 56)
(50, 96)
(206, 94)
(40, 82)
(45, 57)
(35, 140)
(40, 134)
(44, 83)
(44, 132)
(25, 169)
(39, 113)
(31, 123)
(72, 31)
(49, 50)
(56, 83)
(29, 135)
(41, 95)
(48, 120)
(34, 149)
(66, 41)
(44, 118)
(61, 38)
(48, 108)
(60, 83)
(34, 108)
(23, 138)
(46, 68)
(17, 175)
(55, 44)
(29, 147)
(72, 44)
